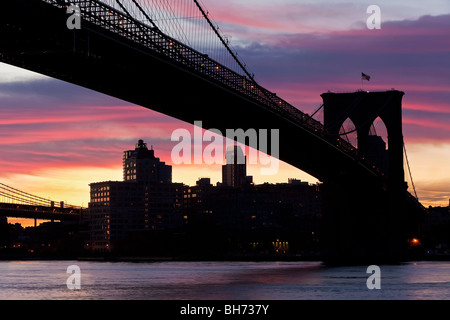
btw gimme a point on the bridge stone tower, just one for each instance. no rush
(363, 108)
(364, 221)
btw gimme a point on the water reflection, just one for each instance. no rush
(221, 280)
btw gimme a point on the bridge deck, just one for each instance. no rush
(39, 212)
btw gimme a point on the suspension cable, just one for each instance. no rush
(321, 106)
(205, 15)
(409, 170)
(145, 14)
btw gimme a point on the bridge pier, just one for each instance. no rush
(363, 224)
(367, 219)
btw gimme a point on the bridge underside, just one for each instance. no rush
(34, 36)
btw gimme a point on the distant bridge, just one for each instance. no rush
(15, 203)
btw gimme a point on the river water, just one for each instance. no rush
(26, 280)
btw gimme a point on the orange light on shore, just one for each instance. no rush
(415, 242)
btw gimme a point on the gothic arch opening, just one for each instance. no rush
(348, 132)
(377, 145)
(378, 128)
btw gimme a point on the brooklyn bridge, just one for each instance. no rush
(152, 55)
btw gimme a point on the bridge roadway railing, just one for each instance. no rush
(123, 24)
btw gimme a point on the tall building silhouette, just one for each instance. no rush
(141, 165)
(146, 200)
(234, 172)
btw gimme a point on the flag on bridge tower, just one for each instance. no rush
(364, 77)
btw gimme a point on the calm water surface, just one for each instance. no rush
(221, 280)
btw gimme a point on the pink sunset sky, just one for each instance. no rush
(56, 138)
